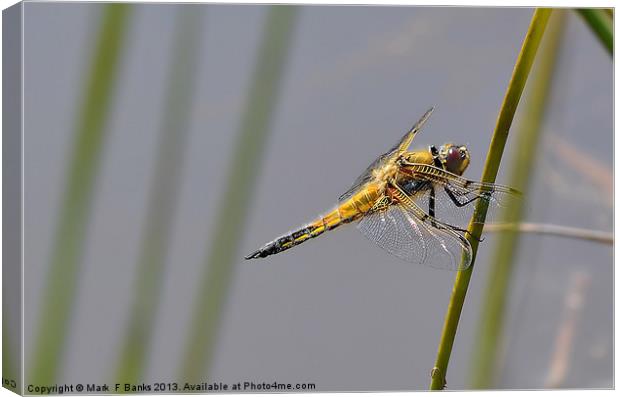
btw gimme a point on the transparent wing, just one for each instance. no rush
(405, 141)
(409, 235)
(364, 178)
(391, 154)
(455, 207)
(455, 197)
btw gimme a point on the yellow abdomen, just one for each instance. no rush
(347, 211)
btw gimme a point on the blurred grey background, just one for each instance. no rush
(336, 311)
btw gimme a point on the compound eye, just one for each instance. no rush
(455, 154)
(454, 159)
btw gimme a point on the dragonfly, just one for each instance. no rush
(413, 204)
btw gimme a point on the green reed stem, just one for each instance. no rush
(233, 207)
(491, 167)
(162, 197)
(490, 326)
(601, 24)
(60, 290)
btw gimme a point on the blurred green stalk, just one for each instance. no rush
(602, 25)
(554, 230)
(491, 167)
(60, 290)
(491, 324)
(233, 207)
(162, 197)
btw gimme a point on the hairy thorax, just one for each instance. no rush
(385, 174)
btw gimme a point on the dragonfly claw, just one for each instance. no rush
(478, 239)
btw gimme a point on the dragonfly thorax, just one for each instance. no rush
(385, 173)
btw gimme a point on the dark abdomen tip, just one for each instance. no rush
(253, 255)
(261, 253)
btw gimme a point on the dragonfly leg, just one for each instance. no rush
(459, 204)
(456, 200)
(431, 205)
(458, 229)
(465, 231)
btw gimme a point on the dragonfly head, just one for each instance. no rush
(455, 158)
